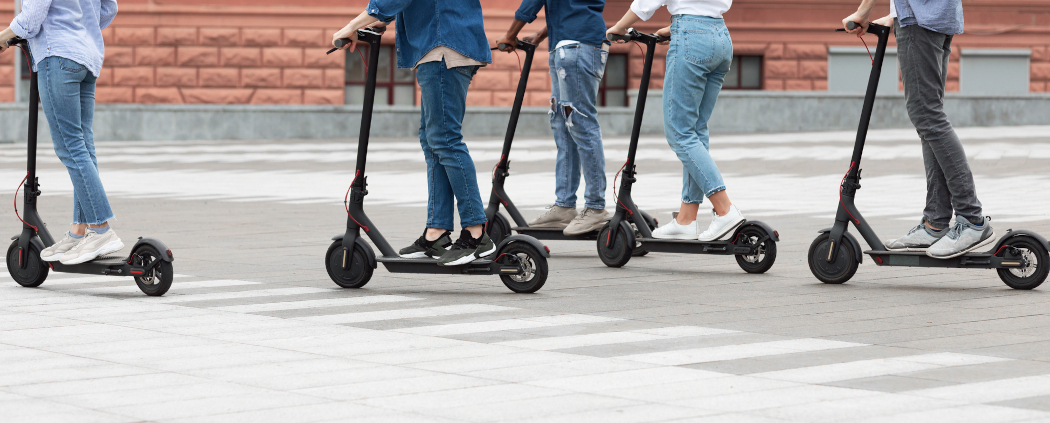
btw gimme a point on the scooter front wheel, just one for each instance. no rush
(838, 271)
(614, 252)
(1037, 263)
(35, 270)
(157, 280)
(348, 269)
(532, 264)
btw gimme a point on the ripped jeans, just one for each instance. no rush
(576, 71)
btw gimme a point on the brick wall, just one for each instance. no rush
(1040, 75)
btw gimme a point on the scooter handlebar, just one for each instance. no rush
(523, 45)
(361, 33)
(873, 28)
(15, 41)
(634, 35)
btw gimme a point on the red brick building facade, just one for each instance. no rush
(272, 51)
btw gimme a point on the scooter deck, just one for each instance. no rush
(690, 246)
(110, 266)
(429, 265)
(555, 234)
(920, 259)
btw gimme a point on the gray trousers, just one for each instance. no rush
(923, 57)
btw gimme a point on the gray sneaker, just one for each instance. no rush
(555, 217)
(55, 252)
(918, 238)
(93, 245)
(589, 220)
(962, 238)
(423, 248)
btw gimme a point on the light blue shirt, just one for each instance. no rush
(66, 28)
(943, 16)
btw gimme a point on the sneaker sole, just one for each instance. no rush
(54, 257)
(420, 254)
(592, 228)
(108, 248)
(725, 230)
(469, 258)
(989, 240)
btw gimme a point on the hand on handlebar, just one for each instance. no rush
(616, 31)
(886, 21)
(860, 23)
(507, 44)
(666, 34)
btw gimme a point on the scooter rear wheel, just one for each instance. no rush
(614, 252)
(157, 280)
(533, 265)
(1037, 266)
(764, 257)
(35, 271)
(356, 273)
(498, 228)
(839, 271)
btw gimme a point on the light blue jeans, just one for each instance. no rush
(67, 92)
(576, 71)
(697, 62)
(451, 176)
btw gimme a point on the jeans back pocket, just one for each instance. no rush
(701, 46)
(70, 65)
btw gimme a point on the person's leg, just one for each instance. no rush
(565, 166)
(62, 83)
(580, 71)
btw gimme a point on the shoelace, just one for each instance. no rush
(87, 234)
(466, 242)
(955, 231)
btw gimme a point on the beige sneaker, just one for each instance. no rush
(555, 217)
(92, 246)
(589, 220)
(55, 252)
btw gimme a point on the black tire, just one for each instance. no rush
(767, 251)
(620, 253)
(35, 271)
(1037, 268)
(357, 274)
(533, 263)
(157, 280)
(498, 229)
(841, 270)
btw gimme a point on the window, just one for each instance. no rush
(613, 89)
(850, 67)
(744, 74)
(985, 71)
(393, 86)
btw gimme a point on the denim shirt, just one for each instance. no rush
(425, 24)
(576, 20)
(943, 16)
(66, 28)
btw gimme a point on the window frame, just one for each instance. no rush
(390, 82)
(740, 75)
(603, 87)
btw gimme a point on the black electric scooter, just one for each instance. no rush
(499, 228)
(149, 262)
(519, 260)
(753, 243)
(1020, 257)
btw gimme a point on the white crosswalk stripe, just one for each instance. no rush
(412, 313)
(876, 367)
(507, 324)
(238, 294)
(736, 352)
(312, 304)
(561, 342)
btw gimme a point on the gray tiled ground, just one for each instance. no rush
(254, 330)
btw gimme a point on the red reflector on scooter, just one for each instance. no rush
(547, 248)
(170, 255)
(776, 234)
(878, 259)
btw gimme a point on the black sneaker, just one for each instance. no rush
(423, 248)
(467, 249)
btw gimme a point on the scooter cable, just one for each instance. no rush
(861, 36)
(851, 165)
(346, 203)
(617, 195)
(15, 202)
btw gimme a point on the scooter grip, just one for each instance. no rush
(341, 42)
(852, 25)
(617, 37)
(13, 41)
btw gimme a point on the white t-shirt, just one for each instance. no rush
(710, 8)
(893, 9)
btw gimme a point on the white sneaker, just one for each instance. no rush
(722, 225)
(675, 230)
(55, 252)
(92, 246)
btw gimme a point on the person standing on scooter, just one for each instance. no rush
(924, 31)
(444, 40)
(578, 53)
(65, 38)
(697, 62)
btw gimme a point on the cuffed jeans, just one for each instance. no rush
(923, 57)
(67, 92)
(576, 71)
(451, 177)
(697, 62)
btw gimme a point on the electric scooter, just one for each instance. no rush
(753, 243)
(1020, 257)
(149, 262)
(519, 260)
(499, 228)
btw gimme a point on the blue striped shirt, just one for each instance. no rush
(943, 16)
(67, 28)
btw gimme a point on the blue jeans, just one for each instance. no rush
(697, 62)
(67, 92)
(450, 170)
(576, 71)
